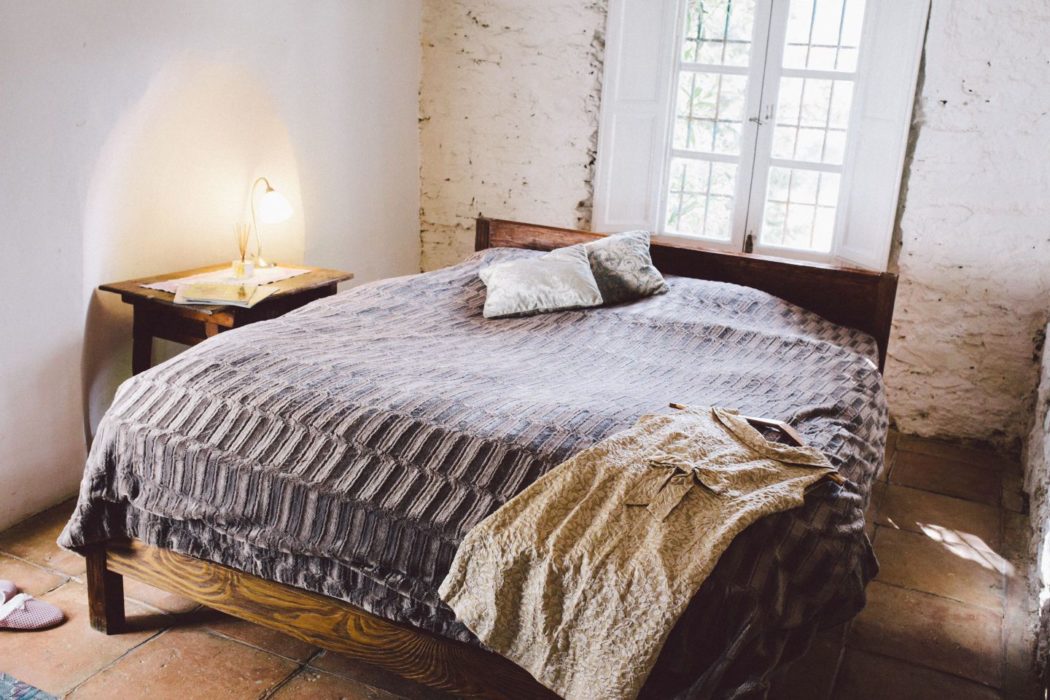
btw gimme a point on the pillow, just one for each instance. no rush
(623, 268)
(561, 279)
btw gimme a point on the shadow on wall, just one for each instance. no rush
(171, 182)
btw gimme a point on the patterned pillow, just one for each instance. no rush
(623, 268)
(561, 279)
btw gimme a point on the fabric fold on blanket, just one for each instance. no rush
(580, 587)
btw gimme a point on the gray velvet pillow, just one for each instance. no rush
(623, 268)
(561, 279)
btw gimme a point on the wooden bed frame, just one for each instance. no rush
(855, 298)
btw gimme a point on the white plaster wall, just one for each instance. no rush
(975, 255)
(130, 131)
(508, 116)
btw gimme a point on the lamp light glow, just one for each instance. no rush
(273, 209)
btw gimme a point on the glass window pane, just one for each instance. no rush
(709, 113)
(700, 198)
(800, 209)
(852, 23)
(810, 145)
(834, 146)
(841, 101)
(824, 34)
(811, 119)
(784, 139)
(827, 19)
(718, 32)
(789, 100)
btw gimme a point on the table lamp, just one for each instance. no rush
(273, 209)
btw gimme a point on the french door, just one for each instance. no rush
(759, 131)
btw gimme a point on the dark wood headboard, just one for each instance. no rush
(850, 297)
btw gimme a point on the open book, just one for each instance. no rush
(234, 294)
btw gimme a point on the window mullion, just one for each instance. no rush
(763, 147)
(752, 131)
(805, 165)
(819, 74)
(704, 156)
(713, 68)
(663, 170)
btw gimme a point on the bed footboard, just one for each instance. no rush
(415, 655)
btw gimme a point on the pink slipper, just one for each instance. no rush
(24, 612)
(7, 590)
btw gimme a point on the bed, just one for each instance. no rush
(315, 473)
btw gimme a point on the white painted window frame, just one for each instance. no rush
(750, 133)
(643, 45)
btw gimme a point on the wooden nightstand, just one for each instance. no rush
(157, 316)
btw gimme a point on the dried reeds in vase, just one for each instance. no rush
(242, 269)
(243, 232)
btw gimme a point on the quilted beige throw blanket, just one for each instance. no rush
(580, 578)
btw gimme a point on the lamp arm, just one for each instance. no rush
(251, 196)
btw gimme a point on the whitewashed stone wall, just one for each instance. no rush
(1037, 484)
(508, 116)
(509, 106)
(975, 255)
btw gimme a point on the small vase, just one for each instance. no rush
(243, 269)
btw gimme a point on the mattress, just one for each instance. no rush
(347, 447)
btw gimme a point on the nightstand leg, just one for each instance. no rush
(141, 343)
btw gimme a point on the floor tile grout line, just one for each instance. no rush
(79, 578)
(42, 567)
(984, 553)
(891, 461)
(276, 687)
(916, 664)
(973, 455)
(349, 677)
(1001, 612)
(967, 501)
(940, 493)
(307, 667)
(217, 633)
(67, 578)
(117, 660)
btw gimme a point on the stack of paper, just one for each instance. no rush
(266, 275)
(242, 295)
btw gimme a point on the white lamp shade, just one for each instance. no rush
(274, 208)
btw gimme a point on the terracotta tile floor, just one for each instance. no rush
(945, 615)
(943, 618)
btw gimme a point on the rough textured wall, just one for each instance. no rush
(1037, 484)
(975, 278)
(508, 116)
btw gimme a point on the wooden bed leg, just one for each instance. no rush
(105, 592)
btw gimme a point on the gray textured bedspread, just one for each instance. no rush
(347, 447)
